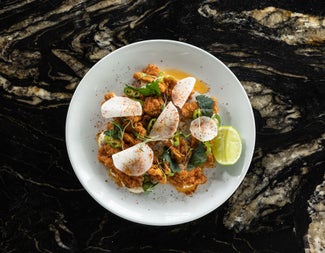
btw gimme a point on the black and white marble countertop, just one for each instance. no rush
(275, 48)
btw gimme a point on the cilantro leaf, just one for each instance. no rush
(166, 157)
(150, 89)
(116, 132)
(206, 105)
(198, 157)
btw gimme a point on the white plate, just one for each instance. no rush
(164, 206)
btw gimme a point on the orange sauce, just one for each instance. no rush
(199, 85)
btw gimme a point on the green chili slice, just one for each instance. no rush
(197, 113)
(175, 139)
(131, 92)
(112, 142)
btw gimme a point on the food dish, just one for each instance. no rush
(164, 206)
(162, 130)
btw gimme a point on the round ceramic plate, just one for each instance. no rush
(163, 206)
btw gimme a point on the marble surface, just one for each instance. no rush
(275, 48)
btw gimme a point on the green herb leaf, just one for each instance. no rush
(116, 132)
(166, 157)
(150, 89)
(205, 104)
(198, 157)
(147, 184)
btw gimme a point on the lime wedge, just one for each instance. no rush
(227, 146)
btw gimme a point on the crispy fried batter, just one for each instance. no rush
(183, 146)
(215, 104)
(187, 181)
(123, 179)
(163, 87)
(152, 69)
(170, 82)
(130, 140)
(156, 175)
(188, 109)
(182, 152)
(104, 157)
(148, 74)
(107, 150)
(108, 95)
(140, 76)
(153, 106)
(138, 127)
(119, 177)
(193, 142)
(134, 119)
(177, 155)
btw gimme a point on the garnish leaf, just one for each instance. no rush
(147, 184)
(198, 157)
(116, 132)
(150, 89)
(166, 157)
(206, 105)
